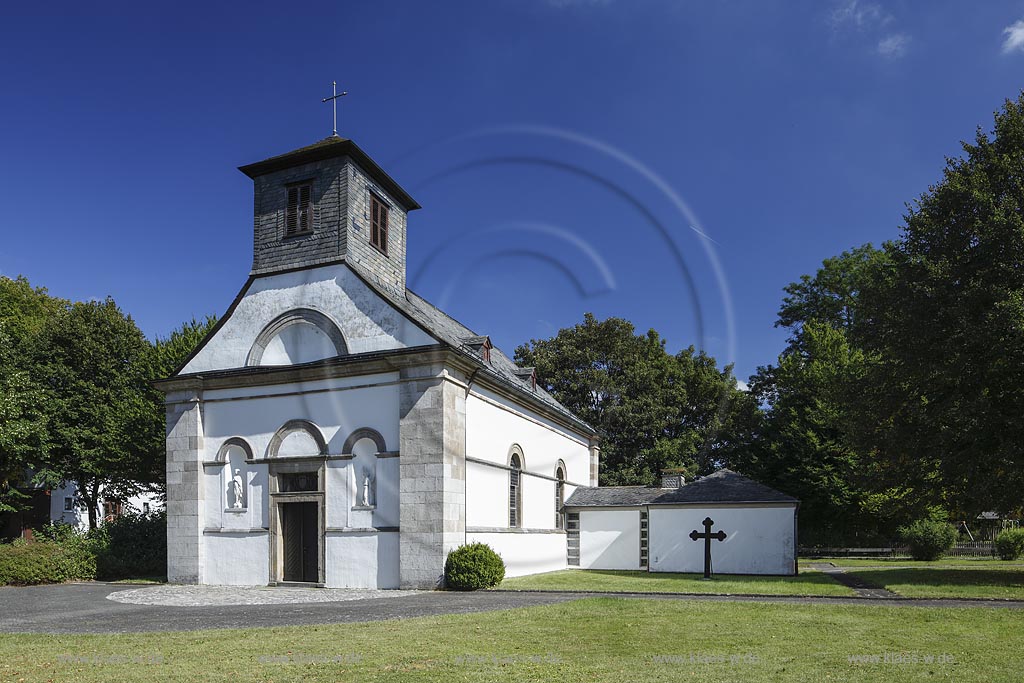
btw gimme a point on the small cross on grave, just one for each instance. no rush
(707, 536)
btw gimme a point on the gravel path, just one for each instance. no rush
(170, 595)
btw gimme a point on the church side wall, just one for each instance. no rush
(493, 425)
(525, 553)
(760, 539)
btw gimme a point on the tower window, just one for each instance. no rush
(378, 223)
(299, 213)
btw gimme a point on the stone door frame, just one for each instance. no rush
(315, 465)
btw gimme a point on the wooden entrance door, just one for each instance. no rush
(300, 541)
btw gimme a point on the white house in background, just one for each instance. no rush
(647, 528)
(66, 507)
(337, 429)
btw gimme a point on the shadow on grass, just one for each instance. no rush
(943, 577)
(624, 581)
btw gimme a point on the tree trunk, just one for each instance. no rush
(90, 494)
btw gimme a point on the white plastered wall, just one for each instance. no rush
(368, 322)
(609, 538)
(760, 539)
(339, 407)
(493, 425)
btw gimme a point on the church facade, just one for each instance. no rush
(337, 429)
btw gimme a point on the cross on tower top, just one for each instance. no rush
(333, 99)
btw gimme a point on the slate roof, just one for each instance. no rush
(456, 335)
(724, 486)
(328, 148)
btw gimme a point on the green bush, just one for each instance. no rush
(472, 567)
(1009, 544)
(24, 563)
(929, 539)
(132, 546)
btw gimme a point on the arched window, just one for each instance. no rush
(559, 495)
(515, 490)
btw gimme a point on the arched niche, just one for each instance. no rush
(297, 438)
(352, 443)
(230, 446)
(234, 454)
(301, 335)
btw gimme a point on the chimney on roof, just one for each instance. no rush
(672, 479)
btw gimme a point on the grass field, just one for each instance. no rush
(906, 562)
(939, 582)
(807, 583)
(597, 639)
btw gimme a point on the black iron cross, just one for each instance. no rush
(707, 536)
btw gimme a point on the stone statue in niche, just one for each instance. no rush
(366, 491)
(237, 493)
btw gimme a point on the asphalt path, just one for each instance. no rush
(84, 608)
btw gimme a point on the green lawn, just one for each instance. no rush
(598, 639)
(806, 583)
(959, 582)
(907, 562)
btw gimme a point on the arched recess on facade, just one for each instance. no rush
(303, 430)
(321, 329)
(234, 442)
(364, 433)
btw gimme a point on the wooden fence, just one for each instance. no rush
(960, 549)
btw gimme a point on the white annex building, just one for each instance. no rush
(336, 429)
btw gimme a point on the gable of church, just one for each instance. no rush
(303, 316)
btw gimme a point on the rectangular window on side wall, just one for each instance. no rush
(643, 538)
(378, 223)
(299, 210)
(572, 539)
(69, 504)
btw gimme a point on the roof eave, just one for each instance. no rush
(329, 150)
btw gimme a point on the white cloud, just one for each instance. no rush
(577, 3)
(894, 46)
(742, 386)
(859, 15)
(1014, 38)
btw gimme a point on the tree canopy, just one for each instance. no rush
(653, 410)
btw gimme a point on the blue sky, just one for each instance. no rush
(673, 163)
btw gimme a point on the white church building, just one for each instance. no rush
(336, 429)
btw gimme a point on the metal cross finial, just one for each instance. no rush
(334, 101)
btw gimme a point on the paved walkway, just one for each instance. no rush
(170, 595)
(84, 607)
(859, 586)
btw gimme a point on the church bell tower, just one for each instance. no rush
(326, 203)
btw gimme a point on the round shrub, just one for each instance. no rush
(472, 567)
(929, 539)
(1009, 544)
